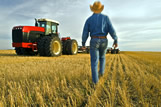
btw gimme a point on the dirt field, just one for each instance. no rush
(130, 79)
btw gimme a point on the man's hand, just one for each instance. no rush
(115, 45)
(83, 48)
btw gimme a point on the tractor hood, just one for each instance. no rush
(27, 34)
(27, 29)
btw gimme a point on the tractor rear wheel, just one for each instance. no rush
(72, 47)
(64, 45)
(53, 46)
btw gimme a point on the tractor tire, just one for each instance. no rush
(117, 51)
(18, 50)
(28, 52)
(72, 47)
(64, 45)
(88, 50)
(113, 51)
(107, 52)
(41, 46)
(53, 46)
(24, 51)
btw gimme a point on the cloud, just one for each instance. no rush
(149, 45)
(136, 22)
(23, 13)
(5, 44)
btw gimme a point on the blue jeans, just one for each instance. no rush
(98, 48)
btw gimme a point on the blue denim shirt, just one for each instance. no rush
(98, 25)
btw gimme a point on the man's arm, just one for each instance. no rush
(85, 33)
(112, 33)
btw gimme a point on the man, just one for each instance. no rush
(98, 25)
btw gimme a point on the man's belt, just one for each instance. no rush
(99, 37)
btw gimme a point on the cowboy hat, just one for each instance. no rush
(97, 7)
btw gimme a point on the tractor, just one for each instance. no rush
(42, 39)
(87, 50)
(115, 51)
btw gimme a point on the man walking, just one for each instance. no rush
(98, 25)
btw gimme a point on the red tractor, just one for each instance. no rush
(42, 39)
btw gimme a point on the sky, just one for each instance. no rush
(137, 22)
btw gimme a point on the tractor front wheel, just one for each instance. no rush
(53, 46)
(24, 51)
(41, 45)
(18, 50)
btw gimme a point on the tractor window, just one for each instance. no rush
(42, 24)
(48, 28)
(54, 30)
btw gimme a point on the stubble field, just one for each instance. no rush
(130, 79)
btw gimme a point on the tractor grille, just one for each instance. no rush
(17, 35)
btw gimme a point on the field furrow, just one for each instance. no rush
(141, 83)
(95, 99)
(130, 79)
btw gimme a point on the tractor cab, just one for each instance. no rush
(51, 26)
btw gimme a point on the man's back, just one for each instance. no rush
(98, 25)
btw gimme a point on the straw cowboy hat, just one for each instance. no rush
(97, 7)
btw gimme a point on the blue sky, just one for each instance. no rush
(137, 22)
